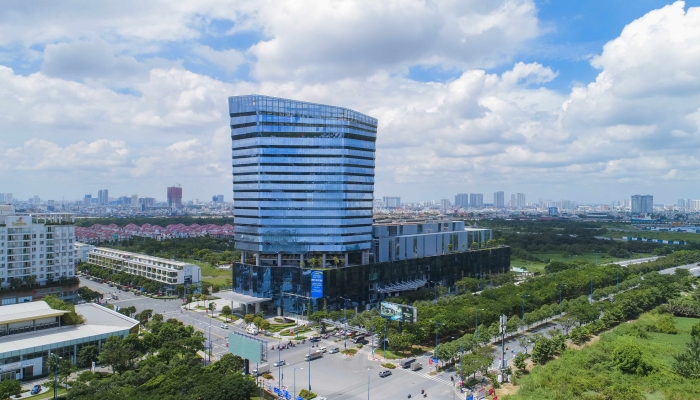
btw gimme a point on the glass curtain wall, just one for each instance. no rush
(303, 178)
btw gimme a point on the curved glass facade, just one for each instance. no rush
(303, 176)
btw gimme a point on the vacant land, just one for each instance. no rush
(221, 277)
(592, 372)
(631, 231)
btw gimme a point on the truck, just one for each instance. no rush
(416, 366)
(262, 369)
(407, 362)
(313, 356)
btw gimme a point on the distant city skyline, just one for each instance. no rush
(524, 98)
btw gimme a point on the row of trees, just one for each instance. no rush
(163, 364)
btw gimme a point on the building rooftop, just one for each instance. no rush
(139, 257)
(98, 321)
(27, 312)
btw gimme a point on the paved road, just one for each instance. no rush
(693, 268)
(636, 261)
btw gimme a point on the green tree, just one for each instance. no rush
(687, 364)
(248, 318)
(257, 321)
(467, 284)
(519, 361)
(524, 342)
(9, 387)
(628, 358)
(265, 325)
(87, 355)
(180, 290)
(226, 311)
(228, 364)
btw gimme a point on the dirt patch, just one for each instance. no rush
(593, 340)
(506, 389)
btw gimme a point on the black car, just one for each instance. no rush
(315, 339)
(384, 374)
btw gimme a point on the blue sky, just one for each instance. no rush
(584, 100)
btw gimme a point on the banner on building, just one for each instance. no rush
(316, 284)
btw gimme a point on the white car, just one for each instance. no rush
(224, 326)
(280, 363)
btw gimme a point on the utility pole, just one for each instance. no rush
(523, 296)
(345, 322)
(504, 321)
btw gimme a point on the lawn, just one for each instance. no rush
(221, 277)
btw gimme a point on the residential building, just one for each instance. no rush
(462, 200)
(147, 201)
(513, 201)
(218, 199)
(553, 211)
(520, 200)
(168, 272)
(642, 204)
(445, 205)
(476, 200)
(81, 252)
(681, 203)
(31, 332)
(174, 197)
(391, 202)
(35, 245)
(87, 200)
(2, 197)
(499, 199)
(303, 180)
(134, 201)
(103, 197)
(8, 198)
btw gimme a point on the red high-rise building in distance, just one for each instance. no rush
(175, 197)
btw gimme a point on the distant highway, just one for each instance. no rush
(693, 268)
(627, 263)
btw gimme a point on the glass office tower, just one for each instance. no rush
(303, 182)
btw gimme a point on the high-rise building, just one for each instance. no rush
(681, 203)
(476, 200)
(499, 200)
(219, 198)
(175, 197)
(147, 201)
(445, 205)
(134, 200)
(520, 200)
(87, 200)
(642, 204)
(303, 181)
(39, 245)
(8, 198)
(2, 197)
(462, 200)
(513, 201)
(103, 197)
(391, 202)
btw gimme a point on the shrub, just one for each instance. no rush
(306, 394)
(628, 358)
(665, 325)
(389, 365)
(267, 375)
(350, 352)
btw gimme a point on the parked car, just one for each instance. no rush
(333, 350)
(35, 390)
(280, 363)
(384, 374)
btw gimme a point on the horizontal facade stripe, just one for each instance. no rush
(239, 142)
(324, 135)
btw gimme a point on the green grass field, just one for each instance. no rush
(631, 231)
(220, 277)
(590, 257)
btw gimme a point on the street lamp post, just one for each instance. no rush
(295, 381)
(592, 276)
(476, 330)
(55, 377)
(384, 339)
(523, 296)
(437, 327)
(310, 366)
(561, 286)
(367, 383)
(345, 322)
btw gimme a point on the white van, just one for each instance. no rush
(322, 349)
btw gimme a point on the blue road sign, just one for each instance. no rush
(316, 284)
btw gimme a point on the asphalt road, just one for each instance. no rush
(693, 268)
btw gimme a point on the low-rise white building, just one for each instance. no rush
(81, 251)
(38, 245)
(168, 272)
(31, 332)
